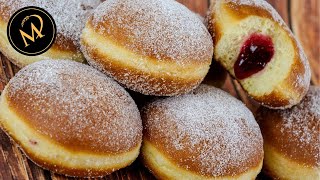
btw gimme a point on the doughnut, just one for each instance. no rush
(70, 17)
(154, 47)
(206, 134)
(292, 139)
(254, 44)
(71, 119)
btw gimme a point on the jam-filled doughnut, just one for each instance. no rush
(70, 17)
(253, 43)
(205, 134)
(292, 139)
(155, 47)
(71, 119)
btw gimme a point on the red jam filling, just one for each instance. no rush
(255, 54)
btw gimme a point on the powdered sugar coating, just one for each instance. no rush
(76, 105)
(260, 4)
(219, 134)
(303, 121)
(305, 78)
(70, 16)
(163, 29)
(257, 3)
(295, 132)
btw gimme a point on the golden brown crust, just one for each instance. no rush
(60, 168)
(117, 24)
(183, 158)
(162, 168)
(119, 39)
(191, 149)
(283, 141)
(70, 142)
(117, 36)
(278, 166)
(241, 11)
(62, 112)
(49, 154)
(294, 132)
(150, 80)
(63, 43)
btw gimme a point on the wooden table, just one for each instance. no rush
(301, 16)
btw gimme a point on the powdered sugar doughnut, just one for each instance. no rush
(204, 134)
(70, 17)
(155, 47)
(71, 119)
(292, 139)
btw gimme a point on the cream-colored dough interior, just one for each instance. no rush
(232, 39)
(49, 151)
(157, 160)
(22, 60)
(287, 169)
(113, 52)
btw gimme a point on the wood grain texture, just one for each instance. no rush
(197, 6)
(14, 160)
(302, 16)
(282, 7)
(3, 76)
(305, 17)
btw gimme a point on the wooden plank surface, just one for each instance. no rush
(305, 17)
(302, 16)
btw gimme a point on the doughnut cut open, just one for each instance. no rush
(253, 43)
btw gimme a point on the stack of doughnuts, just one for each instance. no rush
(79, 120)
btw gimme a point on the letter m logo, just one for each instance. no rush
(31, 38)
